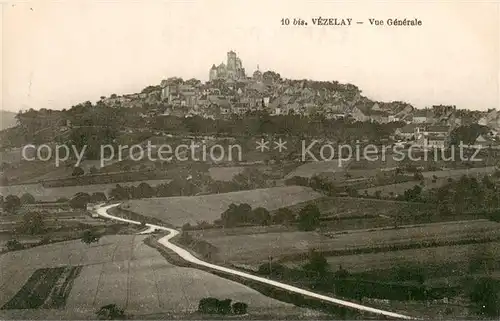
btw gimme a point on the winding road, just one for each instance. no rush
(165, 241)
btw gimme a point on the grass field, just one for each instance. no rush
(428, 256)
(121, 270)
(255, 249)
(314, 168)
(442, 179)
(345, 207)
(42, 193)
(192, 209)
(224, 173)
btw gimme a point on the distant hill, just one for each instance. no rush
(7, 119)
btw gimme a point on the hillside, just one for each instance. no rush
(7, 119)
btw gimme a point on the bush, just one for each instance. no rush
(240, 308)
(80, 201)
(275, 269)
(98, 197)
(89, 237)
(45, 240)
(208, 305)
(78, 171)
(283, 216)
(33, 223)
(309, 217)
(27, 198)
(110, 312)
(485, 294)
(14, 245)
(11, 203)
(214, 306)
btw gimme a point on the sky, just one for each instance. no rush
(58, 54)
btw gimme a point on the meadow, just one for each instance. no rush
(42, 193)
(255, 249)
(194, 209)
(122, 270)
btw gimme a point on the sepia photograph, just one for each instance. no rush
(249, 160)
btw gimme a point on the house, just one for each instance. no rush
(421, 116)
(358, 115)
(483, 141)
(380, 117)
(393, 118)
(407, 132)
(436, 141)
(376, 107)
(438, 130)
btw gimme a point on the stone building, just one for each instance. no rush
(232, 70)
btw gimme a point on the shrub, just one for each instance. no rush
(80, 201)
(214, 306)
(89, 237)
(78, 171)
(309, 217)
(110, 312)
(208, 305)
(485, 294)
(27, 198)
(240, 308)
(33, 223)
(14, 245)
(283, 216)
(11, 203)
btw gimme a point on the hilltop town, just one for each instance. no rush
(230, 93)
(415, 236)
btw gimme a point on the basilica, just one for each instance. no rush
(232, 70)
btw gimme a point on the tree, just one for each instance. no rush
(110, 312)
(341, 273)
(485, 294)
(78, 171)
(14, 245)
(237, 214)
(144, 190)
(317, 263)
(240, 308)
(272, 268)
(27, 198)
(261, 216)
(33, 223)
(89, 237)
(309, 217)
(80, 201)
(98, 197)
(119, 193)
(11, 203)
(418, 176)
(284, 216)
(208, 305)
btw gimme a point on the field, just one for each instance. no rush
(120, 270)
(224, 173)
(442, 179)
(192, 209)
(42, 193)
(348, 207)
(255, 249)
(314, 168)
(442, 255)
